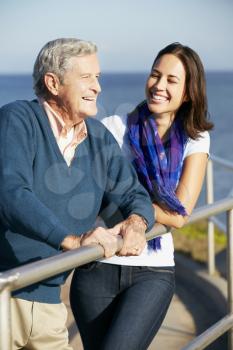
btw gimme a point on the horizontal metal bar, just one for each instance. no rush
(212, 333)
(43, 269)
(157, 230)
(219, 224)
(34, 272)
(40, 270)
(226, 163)
(211, 209)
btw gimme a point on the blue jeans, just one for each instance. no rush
(120, 307)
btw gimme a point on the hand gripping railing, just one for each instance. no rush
(34, 272)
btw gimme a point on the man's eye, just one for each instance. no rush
(154, 76)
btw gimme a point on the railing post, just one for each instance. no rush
(210, 200)
(5, 319)
(230, 271)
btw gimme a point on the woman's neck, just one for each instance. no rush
(164, 123)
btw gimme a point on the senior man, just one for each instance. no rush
(57, 167)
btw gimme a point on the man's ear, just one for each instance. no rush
(52, 83)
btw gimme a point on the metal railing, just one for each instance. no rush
(40, 270)
(212, 221)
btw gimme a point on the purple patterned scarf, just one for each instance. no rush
(158, 165)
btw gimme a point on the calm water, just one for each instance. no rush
(121, 92)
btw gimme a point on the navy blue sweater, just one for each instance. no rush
(42, 200)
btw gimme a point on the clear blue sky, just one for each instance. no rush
(128, 33)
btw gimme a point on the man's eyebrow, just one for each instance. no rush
(88, 73)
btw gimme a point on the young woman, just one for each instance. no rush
(120, 302)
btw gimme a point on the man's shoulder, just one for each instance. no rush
(19, 105)
(96, 128)
(101, 137)
(20, 115)
(92, 122)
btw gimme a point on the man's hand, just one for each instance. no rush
(132, 231)
(105, 237)
(71, 242)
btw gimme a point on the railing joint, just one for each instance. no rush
(7, 281)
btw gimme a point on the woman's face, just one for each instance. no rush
(165, 87)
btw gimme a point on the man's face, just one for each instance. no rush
(78, 92)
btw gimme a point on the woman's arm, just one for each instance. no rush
(188, 190)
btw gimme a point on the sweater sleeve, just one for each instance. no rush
(20, 209)
(123, 190)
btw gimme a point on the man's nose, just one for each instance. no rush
(96, 85)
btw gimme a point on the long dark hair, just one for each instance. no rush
(194, 111)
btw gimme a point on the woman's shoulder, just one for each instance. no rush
(115, 121)
(116, 124)
(200, 144)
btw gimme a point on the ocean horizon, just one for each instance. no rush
(122, 91)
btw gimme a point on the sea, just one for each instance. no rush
(121, 92)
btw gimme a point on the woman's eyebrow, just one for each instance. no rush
(173, 76)
(155, 70)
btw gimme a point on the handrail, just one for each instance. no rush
(226, 323)
(219, 224)
(34, 272)
(37, 271)
(212, 221)
(205, 211)
(211, 334)
(224, 162)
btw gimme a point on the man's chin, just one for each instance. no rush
(91, 112)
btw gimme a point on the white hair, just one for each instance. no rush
(54, 57)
